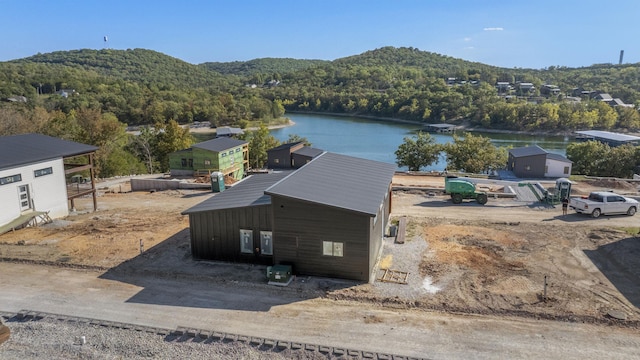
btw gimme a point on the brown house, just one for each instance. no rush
(290, 155)
(321, 223)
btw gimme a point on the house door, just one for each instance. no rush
(25, 199)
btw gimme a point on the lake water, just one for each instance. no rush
(378, 140)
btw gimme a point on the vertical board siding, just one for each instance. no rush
(223, 226)
(311, 224)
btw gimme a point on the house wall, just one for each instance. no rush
(47, 192)
(299, 230)
(281, 158)
(227, 161)
(215, 235)
(528, 166)
(297, 160)
(378, 226)
(556, 168)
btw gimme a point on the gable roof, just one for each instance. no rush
(286, 146)
(340, 181)
(219, 144)
(536, 150)
(248, 192)
(17, 150)
(308, 151)
(527, 151)
(228, 131)
(558, 157)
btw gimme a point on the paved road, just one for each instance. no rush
(246, 311)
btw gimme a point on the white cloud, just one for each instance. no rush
(467, 39)
(493, 29)
(469, 48)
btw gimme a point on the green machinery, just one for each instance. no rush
(462, 189)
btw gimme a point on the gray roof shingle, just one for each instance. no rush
(527, 151)
(17, 150)
(219, 144)
(248, 192)
(308, 151)
(340, 181)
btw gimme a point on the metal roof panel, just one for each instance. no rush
(17, 150)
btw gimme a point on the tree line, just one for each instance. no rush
(69, 93)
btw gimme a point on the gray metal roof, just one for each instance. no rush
(228, 131)
(440, 126)
(219, 144)
(17, 150)
(248, 192)
(340, 181)
(609, 135)
(527, 151)
(558, 157)
(285, 146)
(308, 151)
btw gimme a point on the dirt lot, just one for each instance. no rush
(465, 258)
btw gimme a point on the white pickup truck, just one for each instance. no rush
(604, 203)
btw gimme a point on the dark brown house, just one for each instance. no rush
(290, 155)
(325, 219)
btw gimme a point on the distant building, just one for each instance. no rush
(610, 138)
(549, 90)
(440, 128)
(291, 155)
(525, 88)
(503, 87)
(535, 162)
(226, 155)
(227, 131)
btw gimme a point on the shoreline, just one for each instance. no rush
(462, 128)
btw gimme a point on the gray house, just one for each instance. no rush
(290, 155)
(536, 162)
(325, 219)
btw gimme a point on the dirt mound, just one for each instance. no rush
(612, 184)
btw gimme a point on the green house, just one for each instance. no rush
(226, 155)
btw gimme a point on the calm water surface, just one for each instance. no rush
(378, 140)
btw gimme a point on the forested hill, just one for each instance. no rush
(143, 87)
(266, 66)
(139, 65)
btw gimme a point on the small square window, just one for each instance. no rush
(207, 162)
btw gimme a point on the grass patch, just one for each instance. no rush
(631, 230)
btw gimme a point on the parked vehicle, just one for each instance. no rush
(604, 203)
(461, 189)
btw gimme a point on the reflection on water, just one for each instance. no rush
(378, 140)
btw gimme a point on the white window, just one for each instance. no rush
(331, 248)
(266, 243)
(246, 241)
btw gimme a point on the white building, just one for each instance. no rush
(33, 177)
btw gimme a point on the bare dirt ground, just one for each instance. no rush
(465, 258)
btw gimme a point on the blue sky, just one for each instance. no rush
(515, 33)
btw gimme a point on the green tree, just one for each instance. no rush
(170, 137)
(295, 138)
(418, 151)
(260, 141)
(587, 157)
(474, 154)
